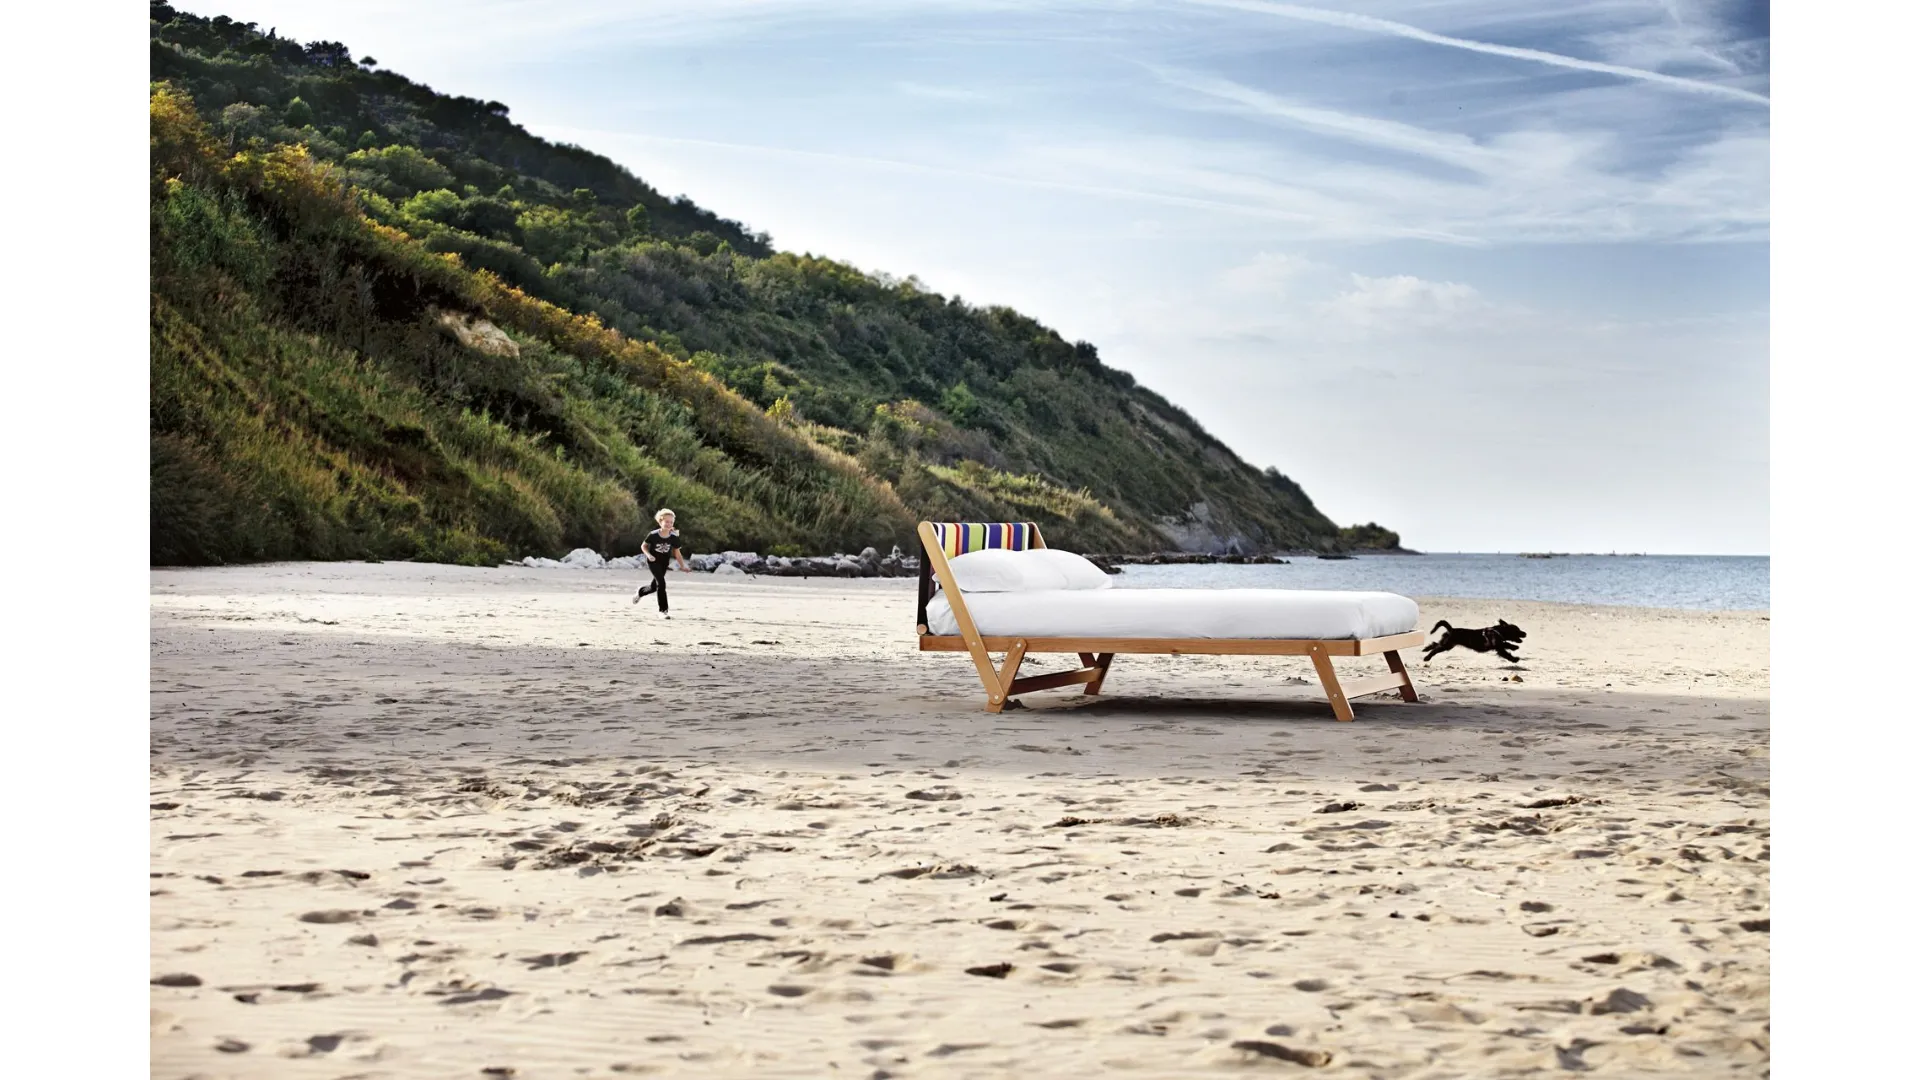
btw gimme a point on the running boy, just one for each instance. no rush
(662, 546)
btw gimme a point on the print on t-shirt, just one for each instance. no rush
(659, 545)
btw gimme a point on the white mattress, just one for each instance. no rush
(1182, 613)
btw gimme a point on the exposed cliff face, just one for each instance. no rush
(1197, 531)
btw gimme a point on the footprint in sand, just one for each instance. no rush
(992, 971)
(549, 960)
(723, 939)
(935, 794)
(334, 916)
(1568, 1057)
(1191, 942)
(1621, 1000)
(1183, 935)
(1313, 1059)
(491, 993)
(938, 870)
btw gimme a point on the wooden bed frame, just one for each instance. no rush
(1096, 654)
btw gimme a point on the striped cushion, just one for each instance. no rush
(958, 538)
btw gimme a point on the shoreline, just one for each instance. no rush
(537, 574)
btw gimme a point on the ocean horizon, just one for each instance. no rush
(1694, 582)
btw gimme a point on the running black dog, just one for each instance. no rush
(1500, 638)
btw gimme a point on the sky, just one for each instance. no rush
(1492, 273)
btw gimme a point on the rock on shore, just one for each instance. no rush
(1178, 558)
(869, 563)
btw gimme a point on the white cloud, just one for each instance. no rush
(1687, 38)
(1269, 275)
(1540, 186)
(1403, 304)
(1280, 297)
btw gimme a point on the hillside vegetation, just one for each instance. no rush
(390, 323)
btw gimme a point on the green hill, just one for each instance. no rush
(390, 323)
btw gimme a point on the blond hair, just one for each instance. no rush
(660, 513)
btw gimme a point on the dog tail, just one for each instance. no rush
(1438, 625)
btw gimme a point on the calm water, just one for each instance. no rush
(1715, 582)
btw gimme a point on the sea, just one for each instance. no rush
(1701, 582)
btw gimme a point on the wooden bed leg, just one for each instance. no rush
(983, 664)
(1330, 682)
(1100, 663)
(1399, 667)
(998, 696)
(1010, 667)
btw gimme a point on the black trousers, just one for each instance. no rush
(659, 586)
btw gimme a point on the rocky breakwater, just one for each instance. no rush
(869, 563)
(1111, 563)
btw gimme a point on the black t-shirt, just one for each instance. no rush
(659, 545)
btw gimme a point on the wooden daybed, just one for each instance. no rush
(940, 541)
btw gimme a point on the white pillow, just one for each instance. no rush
(1000, 570)
(988, 570)
(1075, 571)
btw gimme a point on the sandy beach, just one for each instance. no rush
(423, 821)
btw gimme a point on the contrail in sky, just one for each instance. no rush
(1385, 26)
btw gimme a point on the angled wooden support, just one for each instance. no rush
(1008, 679)
(1047, 682)
(1361, 686)
(989, 678)
(1100, 664)
(1330, 683)
(1340, 693)
(1407, 692)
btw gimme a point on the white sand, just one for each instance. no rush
(422, 821)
